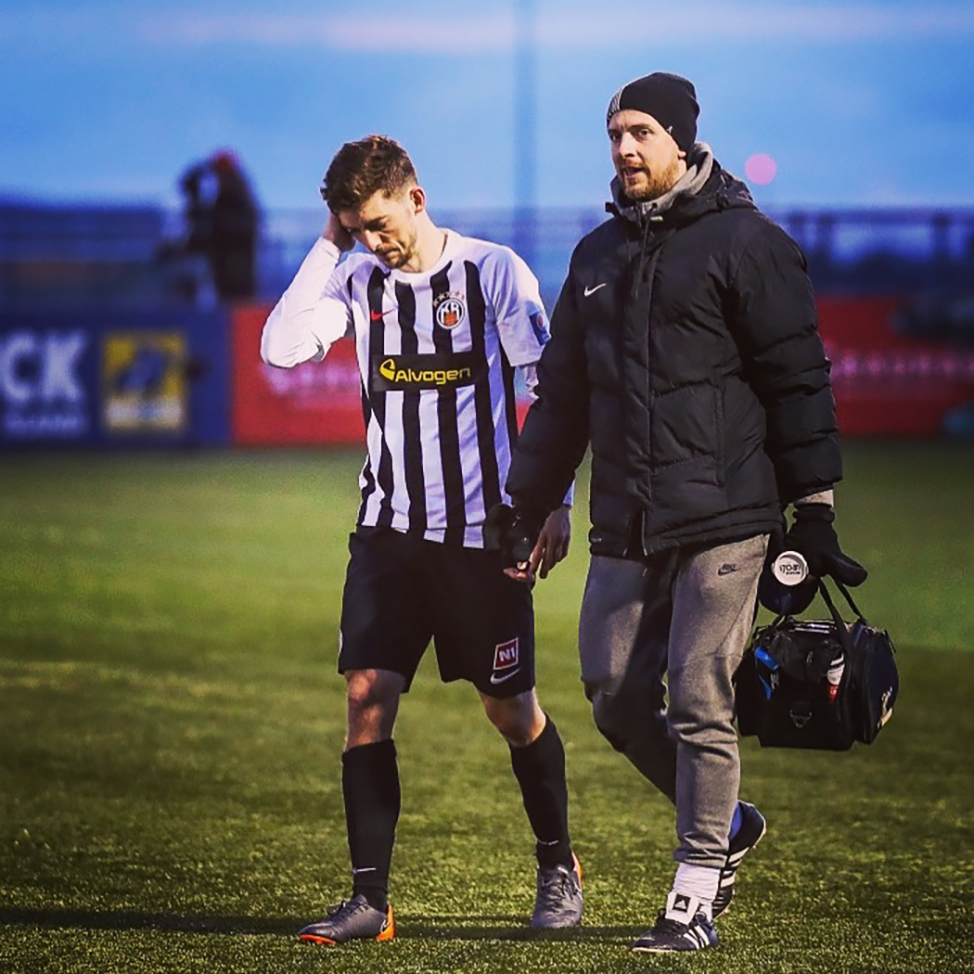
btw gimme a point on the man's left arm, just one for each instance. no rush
(775, 324)
(522, 325)
(556, 532)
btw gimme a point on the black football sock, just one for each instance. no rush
(370, 786)
(540, 771)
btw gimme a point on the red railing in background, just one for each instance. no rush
(885, 383)
(314, 403)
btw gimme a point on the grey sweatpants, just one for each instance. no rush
(686, 614)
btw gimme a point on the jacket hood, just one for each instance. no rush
(703, 188)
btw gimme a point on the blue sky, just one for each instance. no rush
(866, 102)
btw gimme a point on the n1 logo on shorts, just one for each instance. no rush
(506, 662)
(505, 655)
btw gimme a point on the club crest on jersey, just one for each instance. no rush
(449, 309)
(506, 655)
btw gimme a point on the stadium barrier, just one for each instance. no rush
(185, 377)
(313, 403)
(886, 380)
(891, 373)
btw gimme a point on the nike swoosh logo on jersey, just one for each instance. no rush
(589, 291)
(379, 315)
(496, 678)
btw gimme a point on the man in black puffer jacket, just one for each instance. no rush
(685, 352)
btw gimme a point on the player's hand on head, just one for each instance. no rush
(553, 542)
(337, 234)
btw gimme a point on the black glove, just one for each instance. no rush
(813, 536)
(513, 532)
(783, 600)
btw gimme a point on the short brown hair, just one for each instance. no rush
(363, 168)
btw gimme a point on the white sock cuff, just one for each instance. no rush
(699, 881)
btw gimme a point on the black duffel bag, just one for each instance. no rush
(817, 683)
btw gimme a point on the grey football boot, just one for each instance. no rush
(559, 901)
(352, 919)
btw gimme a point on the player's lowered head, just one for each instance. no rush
(375, 199)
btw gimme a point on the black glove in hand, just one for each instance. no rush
(813, 536)
(513, 532)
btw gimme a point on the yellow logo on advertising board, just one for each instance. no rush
(144, 387)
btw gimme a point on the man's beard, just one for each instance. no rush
(657, 183)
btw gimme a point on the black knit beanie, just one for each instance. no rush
(670, 99)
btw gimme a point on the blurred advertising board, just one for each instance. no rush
(113, 378)
(900, 367)
(122, 377)
(314, 403)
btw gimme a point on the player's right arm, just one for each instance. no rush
(313, 313)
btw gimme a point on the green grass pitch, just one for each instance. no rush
(171, 725)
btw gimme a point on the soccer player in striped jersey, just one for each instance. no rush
(440, 323)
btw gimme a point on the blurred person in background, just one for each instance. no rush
(441, 322)
(221, 223)
(685, 352)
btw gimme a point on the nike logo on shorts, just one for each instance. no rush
(496, 678)
(589, 291)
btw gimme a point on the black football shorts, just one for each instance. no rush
(401, 591)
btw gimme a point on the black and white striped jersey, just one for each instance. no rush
(436, 353)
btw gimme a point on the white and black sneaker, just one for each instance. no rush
(753, 827)
(683, 925)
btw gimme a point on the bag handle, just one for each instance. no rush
(848, 598)
(843, 630)
(827, 599)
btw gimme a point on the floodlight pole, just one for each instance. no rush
(525, 129)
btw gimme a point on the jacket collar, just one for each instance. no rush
(702, 188)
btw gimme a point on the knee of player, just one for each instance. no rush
(518, 722)
(368, 691)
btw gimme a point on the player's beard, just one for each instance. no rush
(403, 253)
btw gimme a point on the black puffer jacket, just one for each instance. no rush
(685, 349)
